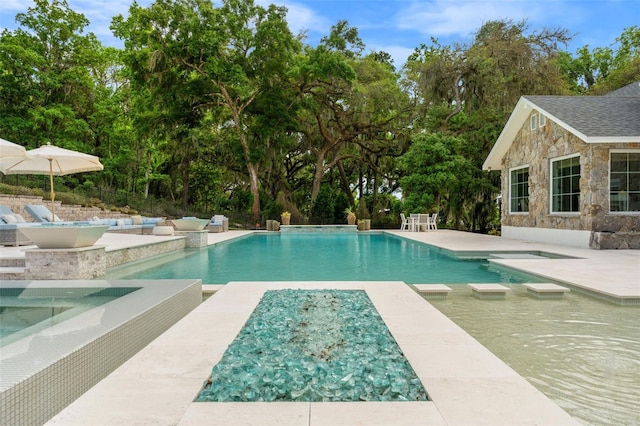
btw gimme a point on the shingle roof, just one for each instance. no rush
(632, 89)
(594, 116)
(613, 118)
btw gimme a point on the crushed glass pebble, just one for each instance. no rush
(313, 345)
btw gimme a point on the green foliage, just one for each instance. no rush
(323, 210)
(219, 108)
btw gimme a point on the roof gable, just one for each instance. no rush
(594, 119)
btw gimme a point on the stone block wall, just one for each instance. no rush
(536, 148)
(67, 212)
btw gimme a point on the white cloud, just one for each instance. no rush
(463, 18)
(398, 53)
(300, 17)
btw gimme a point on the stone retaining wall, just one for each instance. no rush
(68, 212)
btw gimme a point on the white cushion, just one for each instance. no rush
(120, 222)
(9, 218)
(48, 217)
(136, 219)
(19, 218)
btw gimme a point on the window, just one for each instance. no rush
(534, 121)
(519, 190)
(624, 182)
(542, 121)
(565, 185)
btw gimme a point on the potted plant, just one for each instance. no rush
(351, 216)
(286, 218)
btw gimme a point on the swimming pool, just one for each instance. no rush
(320, 257)
(579, 351)
(25, 311)
(46, 365)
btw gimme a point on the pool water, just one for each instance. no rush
(581, 352)
(25, 311)
(319, 257)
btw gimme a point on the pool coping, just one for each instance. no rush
(467, 383)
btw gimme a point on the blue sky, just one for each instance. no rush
(398, 26)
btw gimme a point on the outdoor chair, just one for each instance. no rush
(40, 213)
(433, 222)
(219, 223)
(405, 222)
(423, 222)
(10, 224)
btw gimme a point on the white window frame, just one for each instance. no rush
(533, 121)
(511, 170)
(542, 120)
(551, 210)
(619, 151)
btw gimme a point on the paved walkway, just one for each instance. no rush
(612, 273)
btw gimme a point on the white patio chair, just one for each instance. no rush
(423, 222)
(405, 222)
(433, 222)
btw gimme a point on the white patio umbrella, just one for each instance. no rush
(53, 161)
(10, 151)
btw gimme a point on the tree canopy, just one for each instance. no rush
(219, 108)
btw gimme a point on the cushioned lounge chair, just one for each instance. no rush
(10, 224)
(40, 213)
(219, 223)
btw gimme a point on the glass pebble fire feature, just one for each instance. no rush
(313, 345)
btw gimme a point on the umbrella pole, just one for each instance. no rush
(53, 195)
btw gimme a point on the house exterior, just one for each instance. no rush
(571, 170)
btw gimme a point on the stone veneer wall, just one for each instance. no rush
(68, 212)
(536, 148)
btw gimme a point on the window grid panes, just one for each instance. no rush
(624, 182)
(566, 185)
(519, 190)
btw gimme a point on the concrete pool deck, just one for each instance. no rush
(611, 274)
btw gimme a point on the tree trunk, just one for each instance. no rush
(345, 185)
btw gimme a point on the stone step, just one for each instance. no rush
(11, 273)
(489, 291)
(434, 291)
(12, 262)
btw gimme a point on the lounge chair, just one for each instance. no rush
(40, 213)
(10, 224)
(219, 223)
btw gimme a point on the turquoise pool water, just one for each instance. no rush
(25, 311)
(319, 257)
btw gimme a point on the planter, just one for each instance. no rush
(364, 224)
(64, 235)
(190, 224)
(351, 219)
(286, 220)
